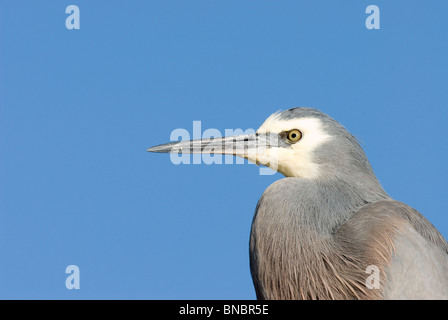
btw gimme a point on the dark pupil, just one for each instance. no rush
(293, 135)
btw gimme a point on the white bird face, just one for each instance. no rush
(298, 138)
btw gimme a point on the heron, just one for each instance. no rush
(328, 230)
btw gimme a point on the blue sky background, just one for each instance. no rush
(79, 108)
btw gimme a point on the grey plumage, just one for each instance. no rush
(316, 232)
(298, 252)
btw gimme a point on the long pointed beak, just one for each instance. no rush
(246, 146)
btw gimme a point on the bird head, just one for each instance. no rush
(298, 142)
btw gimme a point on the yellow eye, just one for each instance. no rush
(294, 135)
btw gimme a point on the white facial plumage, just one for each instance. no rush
(296, 161)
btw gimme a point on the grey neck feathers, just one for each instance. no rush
(335, 201)
(313, 208)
